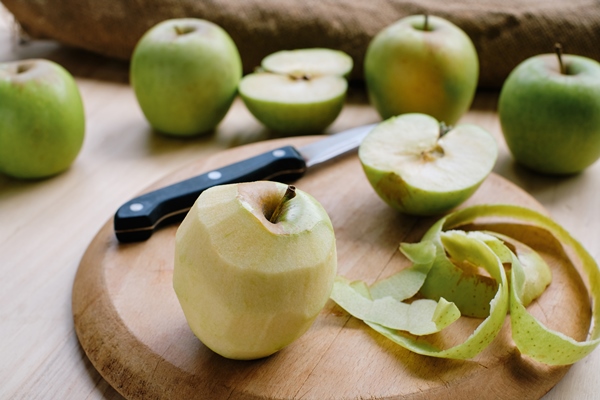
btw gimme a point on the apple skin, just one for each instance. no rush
(249, 287)
(411, 200)
(409, 70)
(186, 81)
(551, 121)
(42, 119)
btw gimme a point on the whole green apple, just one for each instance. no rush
(421, 167)
(550, 115)
(42, 120)
(422, 64)
(298, 92)
(254, 265)
(185, 74)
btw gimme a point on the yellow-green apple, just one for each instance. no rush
(549, 110)
(254, 265)
(298, 92)
(420, 167)
(42, 119)
(422, 64)
(185, 73)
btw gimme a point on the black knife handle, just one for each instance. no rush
(136, 220)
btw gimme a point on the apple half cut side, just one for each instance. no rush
(294, 105)
(419, 168)
(311, 62)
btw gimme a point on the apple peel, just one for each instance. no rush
(455, 243)
(529, 276)
(382, 303)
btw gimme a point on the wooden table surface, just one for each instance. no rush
(46, 225)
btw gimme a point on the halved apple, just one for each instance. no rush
(298, 92)
(420, 167)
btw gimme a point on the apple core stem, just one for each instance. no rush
(183, 30)
(426, 23)
(559, 51)
(444, 129)
(289, 194)
(22, 68)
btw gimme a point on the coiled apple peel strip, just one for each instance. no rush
(383, 305)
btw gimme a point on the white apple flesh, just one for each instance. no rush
(418, 171)
(249, 287)
(316, 61)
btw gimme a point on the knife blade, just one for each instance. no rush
(137, 219)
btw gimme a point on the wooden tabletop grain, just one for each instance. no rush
(46, 225)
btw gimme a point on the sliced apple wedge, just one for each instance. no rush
(317, 61)
(420, 167)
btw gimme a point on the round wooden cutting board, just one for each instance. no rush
(130, 325)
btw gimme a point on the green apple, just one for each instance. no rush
(420, 167)
(42, 119)
(254, 265)
(549, 110)
(298, 92)
(422, 64)
(185, 74)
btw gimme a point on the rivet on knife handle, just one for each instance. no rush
(136, 220)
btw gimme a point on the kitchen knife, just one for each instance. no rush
(136, 220)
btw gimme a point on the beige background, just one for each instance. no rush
(504, 32)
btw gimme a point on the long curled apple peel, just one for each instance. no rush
(529, 275)
(382, 304)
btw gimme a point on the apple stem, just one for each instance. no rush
(183, 30)
(444, 129)
(437, 151)
(289, 194)
(559, 52)
(426, 23)
(21, 68)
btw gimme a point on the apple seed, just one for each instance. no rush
(433, 154)
(437, 151)
(300, 77)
